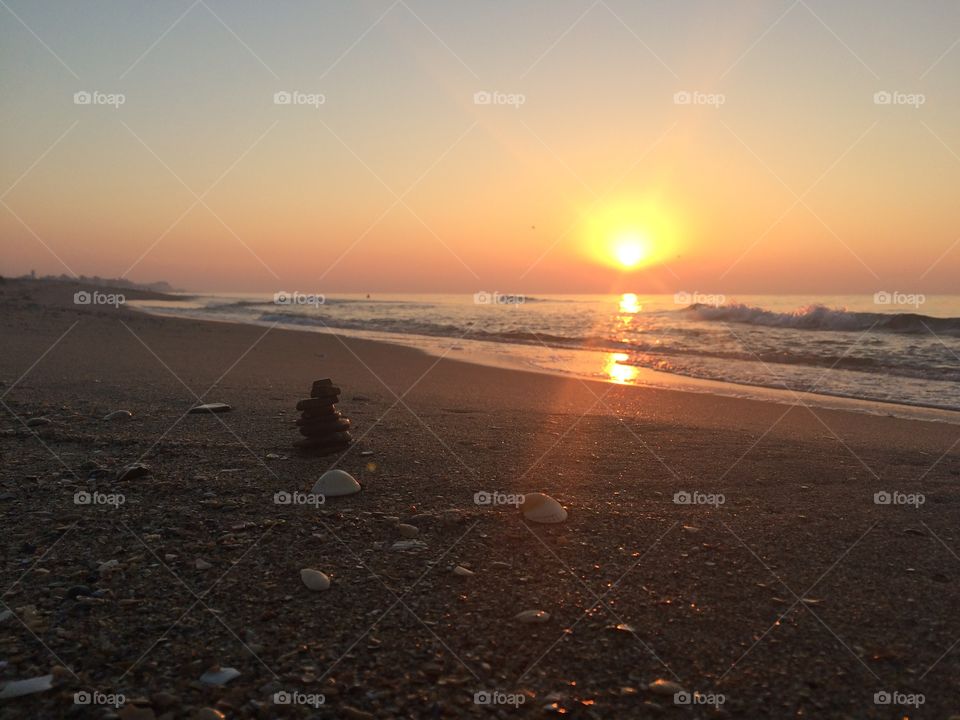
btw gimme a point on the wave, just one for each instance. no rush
(820, 317)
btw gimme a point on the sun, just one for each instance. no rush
(630, 249)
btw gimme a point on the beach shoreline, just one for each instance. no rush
(797, 592)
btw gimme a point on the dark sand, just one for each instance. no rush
(709, 598)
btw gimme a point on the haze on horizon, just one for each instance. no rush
(783, 147)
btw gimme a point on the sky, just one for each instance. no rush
(450, 146)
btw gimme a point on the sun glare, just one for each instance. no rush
(631, 234)
(631, 249)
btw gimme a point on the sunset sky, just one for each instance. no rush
(782, 173)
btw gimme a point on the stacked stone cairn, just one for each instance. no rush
(325, 431)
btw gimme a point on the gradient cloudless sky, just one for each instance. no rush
(784, 174)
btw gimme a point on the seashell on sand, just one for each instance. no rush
(532, 616)
(542, 508)
(314, 579)
(336, 483)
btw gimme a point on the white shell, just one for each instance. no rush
(314, 579)
(542, 508)
(336, 483)
(408, 531)
(16, 688)
(219, 677)
(533, 616)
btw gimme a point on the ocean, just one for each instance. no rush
(890, 351)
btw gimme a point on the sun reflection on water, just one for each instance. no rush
(629, 304)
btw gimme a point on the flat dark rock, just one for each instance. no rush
(321, 387)
(211, 408)
(324, 429)
(309, 418)
(314, 404)
(332, 442)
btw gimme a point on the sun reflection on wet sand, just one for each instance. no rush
(622, 374)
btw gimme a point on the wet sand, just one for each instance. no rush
(799, 595)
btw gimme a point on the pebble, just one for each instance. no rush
(462, 571)
(17, 688)
(541, 508)
(202, 564)
(118, 415)
(132, 472)
(532, 616)
(208, 713)
(314, 579)
(408, 531)
(132, 712)
(336, 483)
(409, 545)
(79, 591)
(210, 408)
(221, 676)
(664, 687)
(38, 421)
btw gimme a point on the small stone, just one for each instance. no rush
(461, 571)
(118, 415)
(38, 421)
(409, 545)
(210, 408)
(661, 686)
(208, 713)
(17, 688)
(408, 531)
(132, 472)
(314, 579)
(202, 564)
(532, 616)
(219, 676)
(132, 712)
(79, 591)
(163, 700)
(320, 404)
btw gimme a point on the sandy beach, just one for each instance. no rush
(789, 592)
